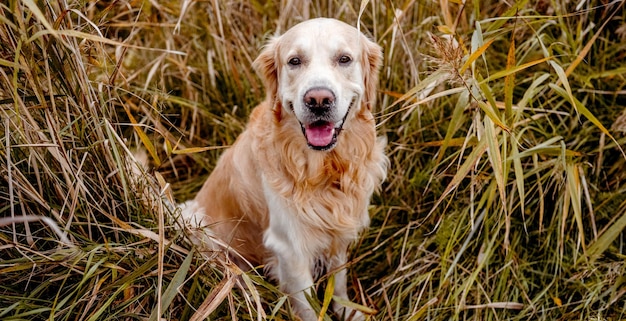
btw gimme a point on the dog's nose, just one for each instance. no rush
(319, 100)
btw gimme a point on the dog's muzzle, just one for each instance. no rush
(321, 130)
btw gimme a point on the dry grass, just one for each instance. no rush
(505, 199)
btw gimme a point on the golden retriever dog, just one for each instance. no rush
(293, 191)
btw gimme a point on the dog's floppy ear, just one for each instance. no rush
(372, 59)
(266, 65)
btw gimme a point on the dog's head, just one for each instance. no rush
(321, 72)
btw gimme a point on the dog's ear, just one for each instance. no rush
(266, 65)
(371, 62)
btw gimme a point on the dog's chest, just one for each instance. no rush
(315, 219)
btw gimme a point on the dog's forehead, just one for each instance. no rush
(329, 35)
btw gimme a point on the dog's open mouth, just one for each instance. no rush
(321, 135)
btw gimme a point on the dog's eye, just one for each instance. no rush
(295, 61)
(344, 60)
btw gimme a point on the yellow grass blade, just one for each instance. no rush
(607, 74)
(507, 72)
(145, 140)
(10, 64)
(328, 296)
(214, 299)
(475, 56)
(114, 139)
(194, 150)
(362, 7)
(456, 142)
(279, 304)
(4, 221)
(96, 38)
(529, 94)
(509, 82)
(447, 16)
(496, 305)
(353, 305)
(444, 93)
(583, 53)
(563, 80)
(420, 313)
(575, 103)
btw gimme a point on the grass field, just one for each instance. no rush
(506, 122)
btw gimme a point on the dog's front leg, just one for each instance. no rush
(291, 260)
(295, 280)
(292, 269)
(338, 264)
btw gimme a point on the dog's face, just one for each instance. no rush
(320, 72)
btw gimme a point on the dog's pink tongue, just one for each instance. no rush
(319, 135)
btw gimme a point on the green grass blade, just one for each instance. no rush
(495, 158)
(470, 236)
(279, 304)
(580, 108)
(455, 123)
(492, 114)
(519, 173)
(172, 289)
(490, 109)
(503, 18)
(606, 239)
(462, 172)
(575, 195)
(435, 77)
(107, 304)
(32, 6)
(530, 93)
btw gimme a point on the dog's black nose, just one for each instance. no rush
(319, 100)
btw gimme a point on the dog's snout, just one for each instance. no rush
(319, 99)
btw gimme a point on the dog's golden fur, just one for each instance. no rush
(277, 201)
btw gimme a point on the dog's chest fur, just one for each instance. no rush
(317, 199)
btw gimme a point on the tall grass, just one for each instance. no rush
(505, 199)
